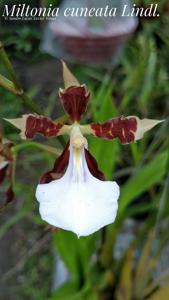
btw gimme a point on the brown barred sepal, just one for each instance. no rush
(59, 167)
(42, 125)
(74, 100)
(34, 124)
(126, 129)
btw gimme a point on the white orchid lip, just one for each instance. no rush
(78, 201)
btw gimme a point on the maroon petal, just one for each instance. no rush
(59, 167)
(42, 125)
(75, 100)
(3, 174)
(9, 195)
(93, 166)
(122, 128)
(9, 198)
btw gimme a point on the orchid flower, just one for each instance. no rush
(79, 199)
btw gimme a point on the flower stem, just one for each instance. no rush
(30, 144)
(8, 85)
(14, 168)
(8, 65)
(28, 101)
(14, 86)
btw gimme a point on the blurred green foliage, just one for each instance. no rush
(138, 85)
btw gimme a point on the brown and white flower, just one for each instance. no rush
(74, 195)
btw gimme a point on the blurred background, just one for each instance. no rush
(124, 63)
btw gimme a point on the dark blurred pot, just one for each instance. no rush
(92, 50)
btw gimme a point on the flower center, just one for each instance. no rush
(78, 142)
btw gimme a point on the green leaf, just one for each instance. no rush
(105, 153)
(75, 252)
(69, 291)
(163, 204)
(66, 291)
(141, 181)
(161, 294)
(124, 290)
(149, 81)
(100, 96)
(145, 265)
